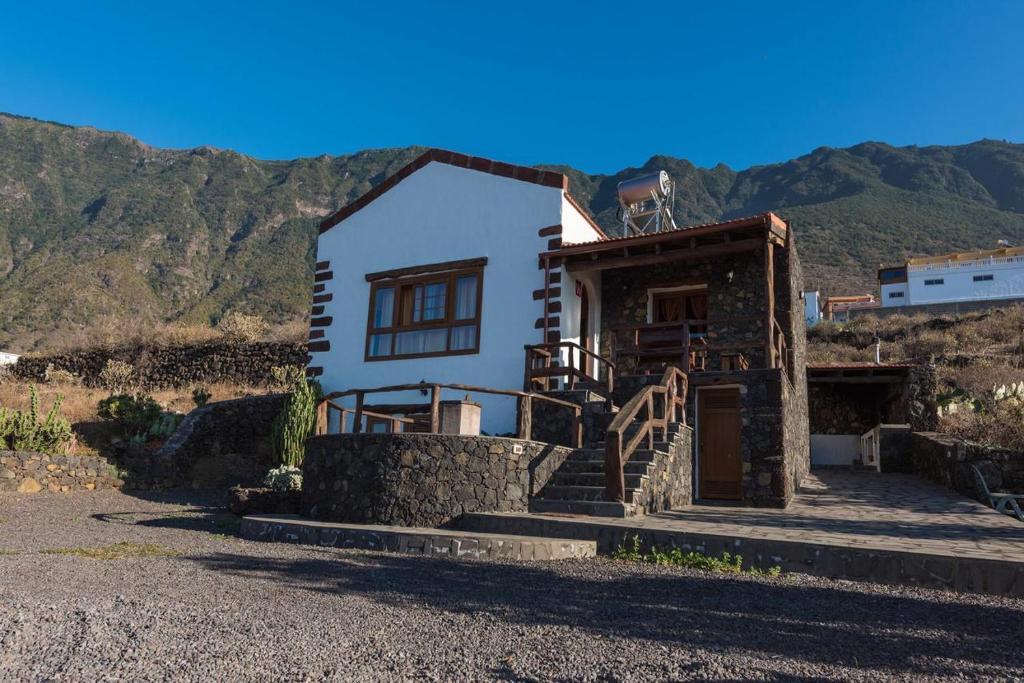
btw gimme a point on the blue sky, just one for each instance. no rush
(600, 86)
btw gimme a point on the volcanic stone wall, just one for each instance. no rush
(422, 479)
(948, 460)
(162, 367)
(29, 472)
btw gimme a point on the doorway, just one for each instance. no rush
(718, 444)
(585, 361)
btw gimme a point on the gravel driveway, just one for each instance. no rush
(228, 609)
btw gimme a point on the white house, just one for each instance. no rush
(812, 308)
(439, 264)
(957, 277)
(8, 358)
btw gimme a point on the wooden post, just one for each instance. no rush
(614, 479)
(650, 420)
(525, 418)
(769, 309)
(342, 418)
(357, 419)
(572, 368)
(686, 347)
(547, 296)
(321, 418)
(435, 409)
(577, 428)
(528, 372)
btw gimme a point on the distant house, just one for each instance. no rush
(957, 277)
(8, 358)
(464, 271)
(812, 308)
(838, 308)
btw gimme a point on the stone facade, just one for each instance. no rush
(670, 486)
(222, 444)
(29, 472)
(421, 479)
(163, 367)
(947, 461)
(789, 305)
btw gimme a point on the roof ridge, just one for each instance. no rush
(527, 174)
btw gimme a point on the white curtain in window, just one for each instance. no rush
(421, 341)
(463, 338)
(465, 297)
(384, 307)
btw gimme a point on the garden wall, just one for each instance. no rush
(163, 367)
(29, 472)
(222, 444)
(422, 480)
(947, 461)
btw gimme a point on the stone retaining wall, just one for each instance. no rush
(947, 460)
(671, 479)
(30, 472)
(162, 367)
(421, 479)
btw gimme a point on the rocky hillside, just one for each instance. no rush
(98, 228)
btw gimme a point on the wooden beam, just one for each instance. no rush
(429, 268)
(769, 310)
(671, 256)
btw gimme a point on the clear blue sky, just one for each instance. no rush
(597, 85)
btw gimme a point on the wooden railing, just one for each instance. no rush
(524, 419)
(642, 406)
(781, 350)
(540, 370)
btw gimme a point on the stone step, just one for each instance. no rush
(418, 541)
(588, 493)
(597, 466)
(593, 508)
(639, 455)
(563, 478)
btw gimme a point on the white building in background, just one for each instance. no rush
(812, 308)
(966, 276)
(8, 358)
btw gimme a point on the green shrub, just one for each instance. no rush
(116, 375)
(201, 396)
(136, 414)
(727, 563)
(284, 377)
(245, 328)
(284, 478)
(295, 424)
(54, 375)
(21, 430)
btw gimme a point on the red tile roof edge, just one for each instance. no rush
(747, 221)
(443, 156)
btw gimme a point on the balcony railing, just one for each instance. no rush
(544, 363)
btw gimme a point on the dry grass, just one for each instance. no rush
(117, 551)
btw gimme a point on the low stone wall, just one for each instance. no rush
(30, 472)
(947, 461)
(222, 444)
(421, 479)
(162, 367)
(671, 479)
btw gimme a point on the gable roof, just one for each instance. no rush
(443, 156)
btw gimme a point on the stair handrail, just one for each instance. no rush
(547, 352)
(673, 386)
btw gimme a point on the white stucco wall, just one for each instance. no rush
(959, 285)
(576, 228)
(442, 213)
(887, 300)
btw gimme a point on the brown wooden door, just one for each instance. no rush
(718, 426)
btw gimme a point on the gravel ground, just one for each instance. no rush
(228, 609)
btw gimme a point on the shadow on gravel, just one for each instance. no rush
(935, 635)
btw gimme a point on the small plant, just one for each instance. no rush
(284, 377)
(244, 328)
(21, 430)
(136, 414)
(55, 375)
(295, 424)
(116, 376)
(117, 551)
(201, 396)
(164, 426)
(284, 478)
(727, 563)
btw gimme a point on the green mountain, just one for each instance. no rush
(97, 228)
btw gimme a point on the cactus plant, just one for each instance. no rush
(295, 423)
(21, 430)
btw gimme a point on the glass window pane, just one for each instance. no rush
(465, 297)
(421, 341)
(384, 307)
(380, 345)
(463, 338)
(434, 298)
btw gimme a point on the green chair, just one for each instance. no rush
(1002, 502)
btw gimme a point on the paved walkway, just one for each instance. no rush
(884, 511)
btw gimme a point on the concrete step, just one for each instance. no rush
(597, 466)
(639, 455)
(593, 508)
(413, 540)
(563, 478)
(556, 492)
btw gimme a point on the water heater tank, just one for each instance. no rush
(640, 189)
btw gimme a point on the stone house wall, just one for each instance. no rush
(422, 479)
(789, 311)
(29, 472)
(163, 367)
(671, 479)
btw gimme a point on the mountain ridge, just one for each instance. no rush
(149, 235)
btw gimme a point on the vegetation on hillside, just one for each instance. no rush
(100, 232)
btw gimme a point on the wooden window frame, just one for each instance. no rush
(399, 284)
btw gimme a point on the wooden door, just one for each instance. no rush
(585, 330)
(718, 426)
